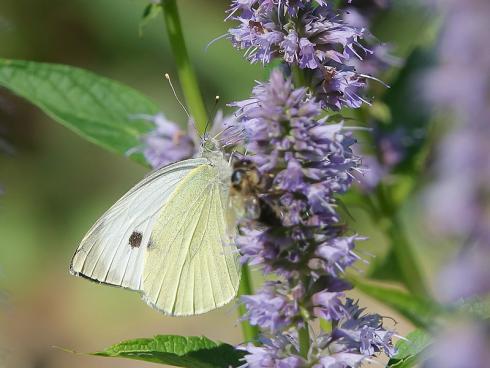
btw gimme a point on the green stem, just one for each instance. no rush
(298, 76)
(251, 333)
(304, 341)
(187, 76)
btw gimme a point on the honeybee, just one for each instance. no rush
(246, 186)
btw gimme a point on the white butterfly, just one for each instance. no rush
(170, 238)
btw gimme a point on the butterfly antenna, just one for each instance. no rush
(167, 77)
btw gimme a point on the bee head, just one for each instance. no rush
(237, 178)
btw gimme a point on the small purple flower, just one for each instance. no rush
(362, 332)
(337, 254)
(290, 46)
(307, 52)
(272, 308)
(273, 354)
(292, 178)
(337, 88)
(328, 305)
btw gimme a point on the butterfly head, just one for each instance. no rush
(210, 145)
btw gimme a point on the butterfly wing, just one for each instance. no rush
(113, 251)
(192, 265)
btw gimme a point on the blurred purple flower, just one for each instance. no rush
(166, 143)
(459, 201)
(468, 275)
(371, 173)
(461, 345)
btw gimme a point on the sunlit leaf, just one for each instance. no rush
(99, 109)
(180, 351)
(409, 351)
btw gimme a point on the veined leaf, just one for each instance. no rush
(409, 350)
(180, 351)
(421, 312)
(99, 109)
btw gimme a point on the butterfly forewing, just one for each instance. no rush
(113, 251)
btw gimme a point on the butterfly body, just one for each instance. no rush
(170, 238)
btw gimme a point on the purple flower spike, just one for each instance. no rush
(313, 37)
(304, 161)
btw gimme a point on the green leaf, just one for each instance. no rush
(99, 109)
(409, 350)
(180, 351)
(421, 312)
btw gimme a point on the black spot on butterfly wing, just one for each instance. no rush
(135, 239)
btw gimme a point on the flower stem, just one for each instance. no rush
(304, 341)
(187, 76)
(250, 333)
(298, 76)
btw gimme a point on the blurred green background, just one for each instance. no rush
(56, 184)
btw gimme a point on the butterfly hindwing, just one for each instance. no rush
(113, 251)
(191, 265)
